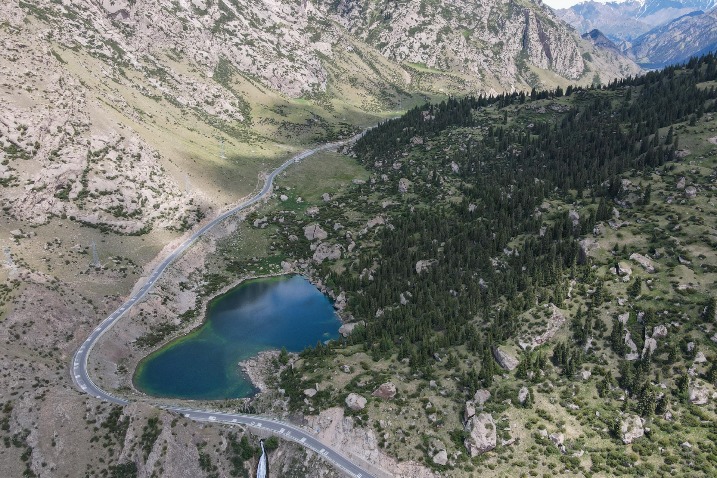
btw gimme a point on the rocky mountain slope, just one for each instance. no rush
(499, 42)
(625, 21)
(169, 66)
(691, 35)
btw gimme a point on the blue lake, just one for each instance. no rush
(260, 314)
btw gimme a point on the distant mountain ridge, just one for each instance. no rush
(625, 21)
(693, 34)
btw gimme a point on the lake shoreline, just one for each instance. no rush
(253, 369)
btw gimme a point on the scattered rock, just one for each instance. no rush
(346, 369)
(403, 185)
(586, 374)
(326, 197)
(314, 231)
(313, 211)
(631, 428)
(690, 192)
(681, 183)
(482, 434)
(386, 391)
(504, 359)
(700, 358)
(310, 392)
(283, 198)
(355, 401)
(17, 234)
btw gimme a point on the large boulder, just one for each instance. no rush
(481, 396)
(355, 402)
(482, 434)
(643, 261)
(631, 428)
(424, 264)
(346, 329)
(469, 411)
(504, 359)
(327, 251)
(386, 391)
(523, 394)
(649, 347)
(659, 332)
(698, 394)
(441, 458)
(314, 231)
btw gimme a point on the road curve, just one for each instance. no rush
(82, 380)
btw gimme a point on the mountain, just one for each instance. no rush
(597, 38)
(625, 21)
(690, 35)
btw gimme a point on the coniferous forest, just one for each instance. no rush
(546, 226)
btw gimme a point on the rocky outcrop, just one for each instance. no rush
(523, 394)
(631, 428)
(482, 434)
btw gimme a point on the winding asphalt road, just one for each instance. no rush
(81, 376)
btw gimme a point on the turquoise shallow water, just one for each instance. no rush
(257, 315)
